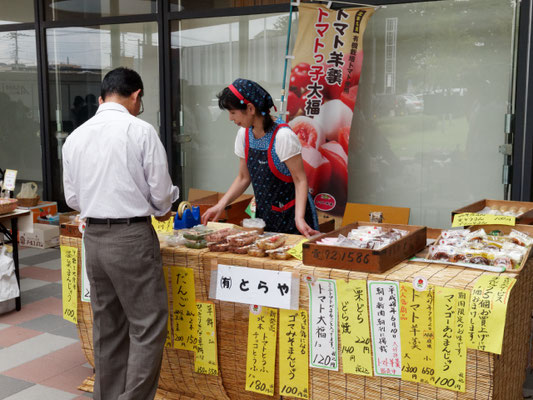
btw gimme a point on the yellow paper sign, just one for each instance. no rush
(184, 308)
(297, 251)
(416, 328)
(168, 341)
(69, 278)
(205, 358)
(261, 356)
(354, 327)
(488, 308)
(451, 316)
(293, 353)
(163, 227)
(468, 219)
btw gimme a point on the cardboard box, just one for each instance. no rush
(365, 260)
(526, 218)
(50, 207)
(234, 212)
(42, 237)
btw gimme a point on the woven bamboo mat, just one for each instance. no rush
(489, 376)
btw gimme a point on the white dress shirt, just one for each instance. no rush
(115, 166)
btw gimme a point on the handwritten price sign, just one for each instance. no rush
(69, 277)
(469, 219)
(163, 227)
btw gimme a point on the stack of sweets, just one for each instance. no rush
(366, 237)
(195, 237)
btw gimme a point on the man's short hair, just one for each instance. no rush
(122, 81)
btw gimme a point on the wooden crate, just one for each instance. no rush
(505, 229)
(365, 260)
(525, 218)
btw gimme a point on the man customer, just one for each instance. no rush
(115, 173)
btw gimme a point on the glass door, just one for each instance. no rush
(430, 113)
(207, 55)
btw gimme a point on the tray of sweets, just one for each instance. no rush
(523, 211)
(379, 248)
(501, 246)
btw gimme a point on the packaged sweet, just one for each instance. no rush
(253, 223)
(242, 239)
(196, 244)
(255, 251)
(199, 232)
(521, 238)
(279, 253)
(221, 235)
(215, 246)
(176, 240)
(239, 249)
(271, 242)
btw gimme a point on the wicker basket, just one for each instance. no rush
(29, 201)
(7, 205)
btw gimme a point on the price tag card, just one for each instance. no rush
(10, 178)
(163, 227)
(69, 278)
(184, 308)
(323, 329)
(168, 341)
(293, 354)
(85, 284)
(468, 219)
(205, 358)
(297, 251)
(355, 327)
(256, 286)
(416, 327)
(261, 354)
(488, 309)
(385, 324)
(451, 313)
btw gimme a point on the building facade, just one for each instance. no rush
(441, 118)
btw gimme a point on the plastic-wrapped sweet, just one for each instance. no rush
(255, 251)
(176, 240)
(239, 249)
(220, 247)
(279, 253)
(454, 233)
(271, 242)
(242, 239)
(221, 235)
(522, 237)
(196, 244)
(198, 232)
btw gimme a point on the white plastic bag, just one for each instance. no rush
(9, 288)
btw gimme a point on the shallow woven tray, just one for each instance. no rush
(489, 376)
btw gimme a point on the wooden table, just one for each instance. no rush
(9, 226)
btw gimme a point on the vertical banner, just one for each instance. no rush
(488, 309)
(168, 341)
(69, 278)
(328, 56)
(184, 308)
(323, 329)
(451, 316)
(261, 354)
(355, 327)
(416, 327)
(205, 357)
(386, 343)
(293, 354)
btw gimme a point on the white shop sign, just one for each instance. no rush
(277, 289)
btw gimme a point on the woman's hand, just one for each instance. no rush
(304, 228)
(212, 214)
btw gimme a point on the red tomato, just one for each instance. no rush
(350, 97)
(294, 104)
(344, 138)
(317, 168)
(299, 78)
(301, 68)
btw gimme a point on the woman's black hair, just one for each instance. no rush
(228, 101)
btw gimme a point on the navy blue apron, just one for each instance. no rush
(273, 185)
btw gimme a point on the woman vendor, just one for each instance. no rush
(270, 158)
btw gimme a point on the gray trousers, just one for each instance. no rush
(130, 309)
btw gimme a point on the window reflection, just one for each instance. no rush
(430, 110)
(20, 143)
(12, 12)
(59, 10)
(78, 60)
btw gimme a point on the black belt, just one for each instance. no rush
(112, 221)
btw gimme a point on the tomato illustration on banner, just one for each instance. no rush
(322, 92)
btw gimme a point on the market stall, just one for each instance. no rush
(488, 375)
